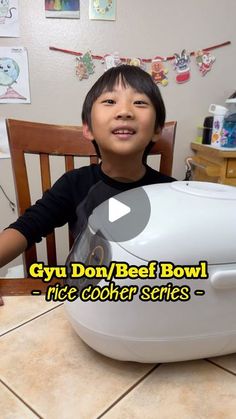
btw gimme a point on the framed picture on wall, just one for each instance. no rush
(102, 9)
(62, 9)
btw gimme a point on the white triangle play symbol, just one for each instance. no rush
(116, 209)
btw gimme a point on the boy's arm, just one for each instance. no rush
(12, 244)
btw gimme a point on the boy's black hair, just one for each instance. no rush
(132, 76)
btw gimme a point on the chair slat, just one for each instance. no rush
(69, 163)
(45, 171)
(93, 160)
(46, 184)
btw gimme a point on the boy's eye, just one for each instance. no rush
(108, 101)
(141, 102)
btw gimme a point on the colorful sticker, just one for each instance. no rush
(111, 60)
(137, 62)
(84, 66)
(204, 61)
(158, 71)
(181, 65)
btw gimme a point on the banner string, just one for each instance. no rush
(145, 60)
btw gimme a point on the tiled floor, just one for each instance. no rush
(48, 372)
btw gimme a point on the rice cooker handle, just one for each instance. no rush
(224, 279)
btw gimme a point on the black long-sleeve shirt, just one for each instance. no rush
(72, 199)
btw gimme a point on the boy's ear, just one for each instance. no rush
(87, 133)
(157, 134)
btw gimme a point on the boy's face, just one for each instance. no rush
(122, 121)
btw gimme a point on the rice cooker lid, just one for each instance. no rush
(189, 222)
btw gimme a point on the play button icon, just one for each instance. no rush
(116, 210)
(123, 216)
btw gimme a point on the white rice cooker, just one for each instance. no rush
(192, 225)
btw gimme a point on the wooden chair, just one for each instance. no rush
(45, 140)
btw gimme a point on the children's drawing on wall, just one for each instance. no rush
(14, 75)
(9, 24)
(102, 9)
(62, 8)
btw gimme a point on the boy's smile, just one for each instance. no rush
(123, 132)
(123, 122)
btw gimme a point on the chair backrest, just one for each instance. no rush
(44, 140)
(165, 147)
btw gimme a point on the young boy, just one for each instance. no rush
(121, 114)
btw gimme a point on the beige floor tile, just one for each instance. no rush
(12, 407)
(18, 309)
(186, 390)
(48, 366)
(228, 362)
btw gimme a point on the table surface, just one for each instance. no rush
(48, 372)
(213, 150)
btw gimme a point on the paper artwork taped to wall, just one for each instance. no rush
(4, 146)
(182, 67)
(62, 8)
(14, 75)
(9, 23)
(84, 66)
(102, 9)
(204, 61)
(111, 60)
(159, 71)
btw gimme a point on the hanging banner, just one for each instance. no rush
(158, 69)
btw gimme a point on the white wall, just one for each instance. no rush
(142, 29)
